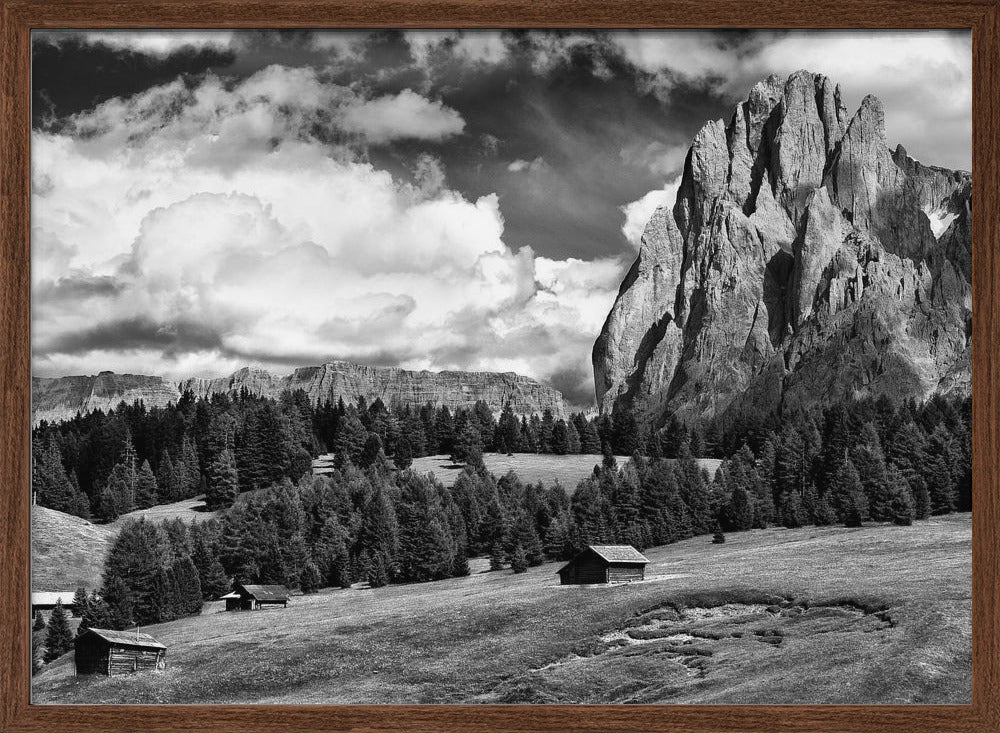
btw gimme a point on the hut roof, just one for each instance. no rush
(267, 592)
(625, 554)
(131, 638)
(50, 598)
(619, 553)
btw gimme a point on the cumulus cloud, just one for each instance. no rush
(149, 225)
(637, 213)
(401, 116)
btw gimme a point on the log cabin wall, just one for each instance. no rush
(126, 660)
(625, 573)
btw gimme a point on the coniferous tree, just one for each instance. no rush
(509, 429)
(590, 441)
(444, 431)
(560, 438)
(79, 601)
(331, 554)
(94, 614)
(790, 509)
(403, 457)
(377, 569)
(466, 445)
(848, 495)
(167, 491)
(131, 585)
(525, 537)
(519, 560)
(39, 622)
(902, 510)
(426, 548)
(496, 556)
(378, 536)
(351, 438)
(146, 490)
(870, 464)
(223, 481)
(558, 543)
(371, 451)
(940, 486)
(58, 637)
(309, 578)
(191, 468)
(50, 482)
(921, 498)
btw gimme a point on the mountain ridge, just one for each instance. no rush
(803, 261)
(60, 398)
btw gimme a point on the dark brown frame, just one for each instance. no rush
(20, 16)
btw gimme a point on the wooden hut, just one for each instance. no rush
(101, 651)
(255, 597)
(604, 564)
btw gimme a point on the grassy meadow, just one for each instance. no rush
(531, 467)
(878, 614)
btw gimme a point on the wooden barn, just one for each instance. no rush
(255, 597)
(604, 564)
(100, 651)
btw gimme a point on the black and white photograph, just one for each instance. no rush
(501, 366)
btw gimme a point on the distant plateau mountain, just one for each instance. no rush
(61, 398)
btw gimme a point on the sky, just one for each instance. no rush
(205, 200)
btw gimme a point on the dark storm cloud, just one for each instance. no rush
(69, 74)
(135, 333)
(576, 385)
(75, 288)
(578, 115)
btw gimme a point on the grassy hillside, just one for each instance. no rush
(531, 467)
(190, 510)
(878, 614)
(66, 551)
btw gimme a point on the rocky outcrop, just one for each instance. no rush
(394, 386)
(803, 261)
(62, 398)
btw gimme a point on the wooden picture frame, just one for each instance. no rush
(19, 17)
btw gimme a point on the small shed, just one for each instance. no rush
(45, 601)
(256, 597)
(102, 651)
(604, 564)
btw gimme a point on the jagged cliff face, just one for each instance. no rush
(334, 380)
(61, 398)
(803, 262)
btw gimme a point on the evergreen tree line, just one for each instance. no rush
(103, 465)
(852, 462)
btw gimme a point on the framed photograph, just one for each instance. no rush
(499, 366)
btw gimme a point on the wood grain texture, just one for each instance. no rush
(19, 16)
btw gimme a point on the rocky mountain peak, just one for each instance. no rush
(798, 236)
